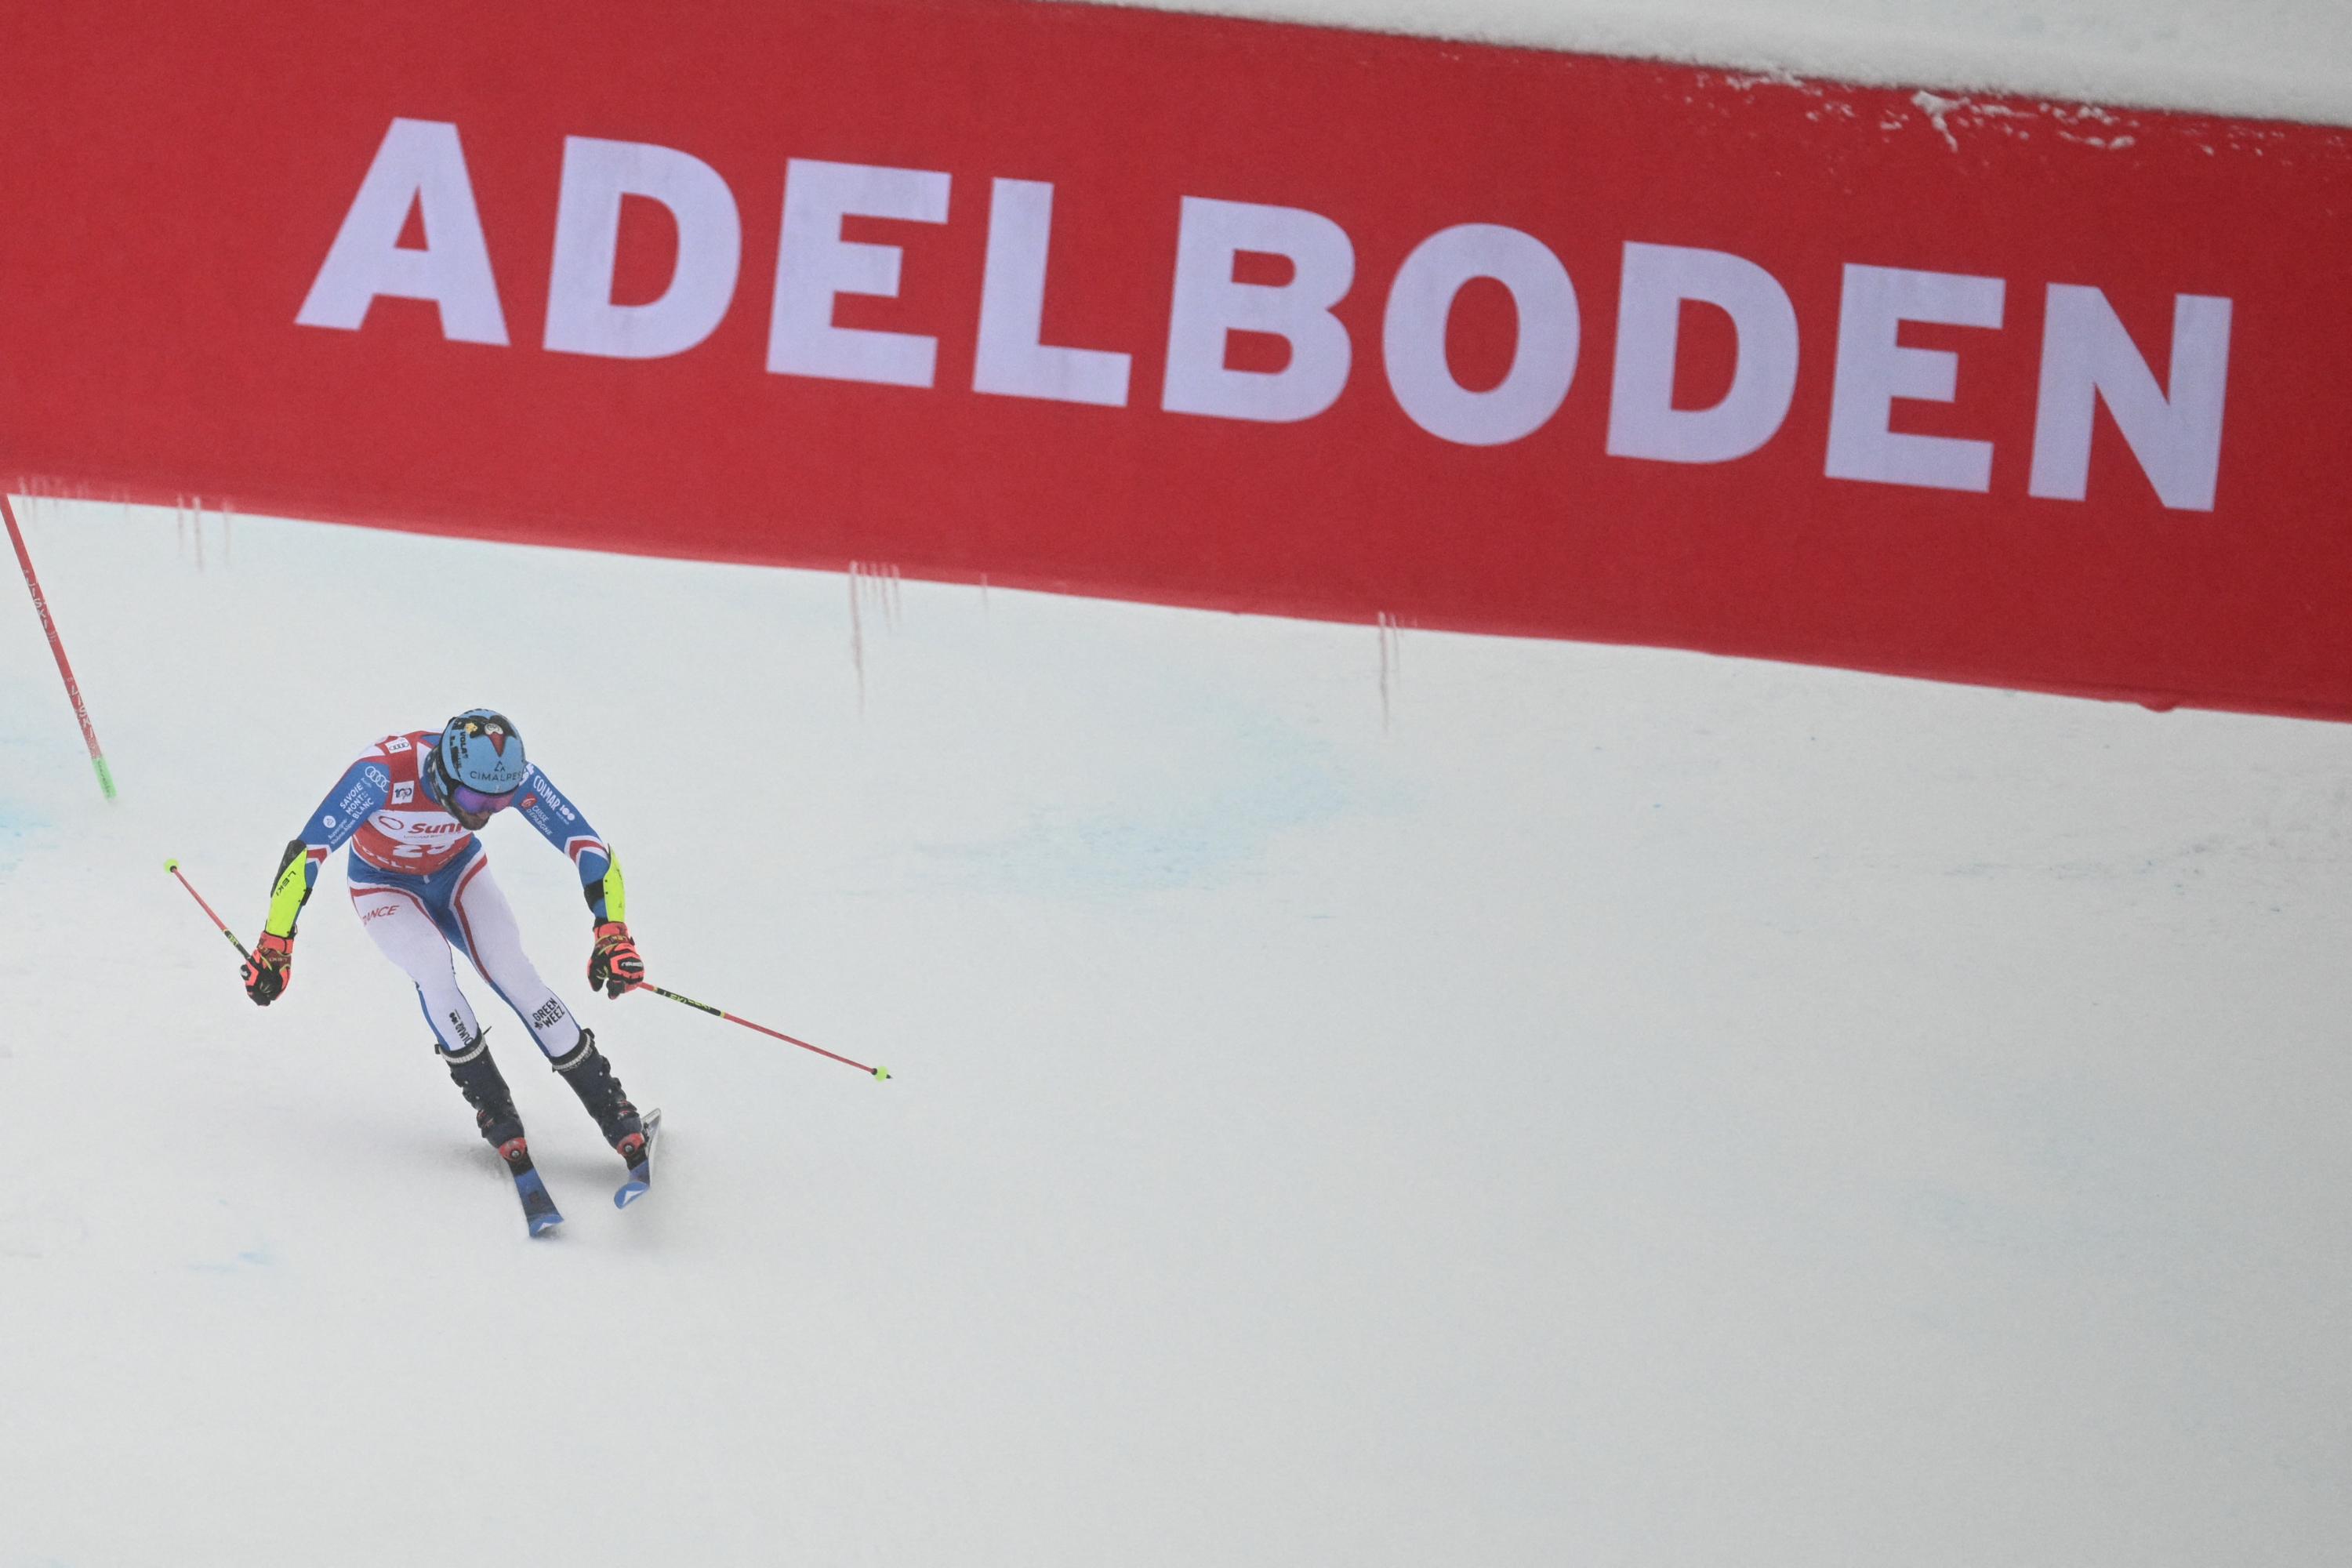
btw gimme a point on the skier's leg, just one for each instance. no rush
(494, 943)
(486, 924)
(405, 933)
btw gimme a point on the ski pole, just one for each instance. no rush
(173, 867)
(722, 1012)
(56, 647)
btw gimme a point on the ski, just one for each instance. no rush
(539, 1210)
(641, 1175)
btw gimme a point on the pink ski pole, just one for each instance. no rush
(722, 1012)
(173, 867)
(41, 607)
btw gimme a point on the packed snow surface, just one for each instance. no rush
(1358, 1100)
(2282, 59)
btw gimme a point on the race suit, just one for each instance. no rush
(420, 882)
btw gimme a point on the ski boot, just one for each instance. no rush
(590, 1077)
(478, 1078)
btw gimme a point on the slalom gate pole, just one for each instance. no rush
(720, 1012)
(173, 867)
(41, 608)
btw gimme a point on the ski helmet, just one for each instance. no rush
(481, 750)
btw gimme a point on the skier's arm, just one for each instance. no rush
(358, 794)
(561, 824)
(614, 965)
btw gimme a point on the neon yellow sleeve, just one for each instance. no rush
(616, 895)
(295, 874)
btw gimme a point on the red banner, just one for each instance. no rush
(1209, 312)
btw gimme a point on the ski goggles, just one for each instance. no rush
(473, 803)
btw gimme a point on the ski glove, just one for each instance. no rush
(270, 969)
(614, 967)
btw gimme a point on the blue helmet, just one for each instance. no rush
(482, 750)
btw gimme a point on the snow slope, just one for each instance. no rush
(2270, 59)
(1620, 1107)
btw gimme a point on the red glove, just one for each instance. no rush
(613, 966)
(270, 969)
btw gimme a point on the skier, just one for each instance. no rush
(410, 808)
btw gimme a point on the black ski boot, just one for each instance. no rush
(590, 1077)
(484, 1089)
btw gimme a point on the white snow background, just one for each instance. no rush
(1445, 1099)
(2272, 59)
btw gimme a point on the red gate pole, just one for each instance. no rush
(41, 605)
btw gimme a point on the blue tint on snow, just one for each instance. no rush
(1204, 827)
(18, 822)
(252, 1257)
(19, 830)
(12, 840)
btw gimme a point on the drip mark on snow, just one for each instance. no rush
(879, 582)
(856, 640)
(1391, 663)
